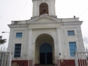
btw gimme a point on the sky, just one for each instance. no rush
(11, 10)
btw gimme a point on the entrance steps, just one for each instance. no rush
(44, 65)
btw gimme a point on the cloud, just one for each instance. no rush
(85, 40)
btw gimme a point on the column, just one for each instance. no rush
(59, 43)
(52, 8)
(35, 9)
(30, 49)
(30, 44)
(56, 51)
(10, 58)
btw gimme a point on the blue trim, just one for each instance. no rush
(71, 33)
(19, 35)
(45, 48)
(72, 47)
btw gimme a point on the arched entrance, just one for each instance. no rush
(44, 50)
(45, 54)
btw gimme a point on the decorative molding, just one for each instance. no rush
(44, 33)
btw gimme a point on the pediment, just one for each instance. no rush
(44, 18)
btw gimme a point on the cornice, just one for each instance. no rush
(17, 26)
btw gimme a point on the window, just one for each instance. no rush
(71, 33)
(19, 35)
(72, 47)
(17, 51)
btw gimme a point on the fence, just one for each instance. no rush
(5, 58)
(81, 58)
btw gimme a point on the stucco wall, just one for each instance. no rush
(76, 38)
(24, 41)
(48, 28)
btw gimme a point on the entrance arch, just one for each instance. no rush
(44, 47)
(45, 54)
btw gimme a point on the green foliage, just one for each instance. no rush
(2, 41)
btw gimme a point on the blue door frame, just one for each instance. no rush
(46, 48)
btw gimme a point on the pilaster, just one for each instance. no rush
(59, 45)
(30, 45)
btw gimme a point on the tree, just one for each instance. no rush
(2, 41)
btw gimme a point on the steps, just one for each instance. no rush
(44, 65)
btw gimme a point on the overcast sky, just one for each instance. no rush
(22, 10)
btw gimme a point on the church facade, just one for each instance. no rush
(45, 39)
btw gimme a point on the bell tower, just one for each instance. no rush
(43, 7)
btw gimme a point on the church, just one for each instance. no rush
(45, 39)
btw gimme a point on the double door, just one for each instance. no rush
(45, 58)
(45, 54)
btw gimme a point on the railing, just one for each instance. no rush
(81, 58)
(5, 58)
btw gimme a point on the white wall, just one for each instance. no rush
(49, 28)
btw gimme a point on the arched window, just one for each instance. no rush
(43, 8)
